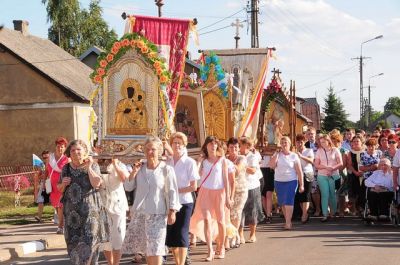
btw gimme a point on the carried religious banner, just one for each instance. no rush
(171, 38)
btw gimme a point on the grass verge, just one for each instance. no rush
(23, 214)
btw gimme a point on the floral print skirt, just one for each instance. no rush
(240, 199)
(146, 234)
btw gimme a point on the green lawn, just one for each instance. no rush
(23, 214)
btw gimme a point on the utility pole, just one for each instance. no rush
(361, 58)
(369, 97)
(362, 106)
(237, 37)
(254, 23)
(159, 4)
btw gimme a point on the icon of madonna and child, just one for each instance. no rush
(130, 112)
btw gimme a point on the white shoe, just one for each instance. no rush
(60, 231)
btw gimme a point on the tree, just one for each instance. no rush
(335, 115)
(75, 29)
(392, 105)
(375, 115)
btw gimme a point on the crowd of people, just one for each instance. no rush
(179, 201)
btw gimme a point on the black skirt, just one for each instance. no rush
(178, 233)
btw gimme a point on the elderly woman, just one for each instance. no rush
(306, 156)
(369, 160)
(380, 193)
(328, 161)
(187, 175)
(252, 211)
(288, 177)
(155, 206)
(212, 198)
(86, 223)
(116, 204)
(240, 186)
(57, 160)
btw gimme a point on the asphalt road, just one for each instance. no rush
(342, 241)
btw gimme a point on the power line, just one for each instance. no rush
(215, 30)
(48, 61)
(319, 47)
(149, 12)
(212, 24)
(326, 79)
(303, 26)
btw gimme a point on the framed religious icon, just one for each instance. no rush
(130, 104)
(189, 118)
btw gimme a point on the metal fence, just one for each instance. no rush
(15, 180)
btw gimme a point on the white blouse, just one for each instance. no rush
(186, 171)
(215, 181)
(285, 167)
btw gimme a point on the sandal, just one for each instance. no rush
(304, 221)
(288, 227)
(252, 240)
(138, 258)
(220, 254)
(210, 257)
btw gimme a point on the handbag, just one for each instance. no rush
(46, 197)
(47, 185)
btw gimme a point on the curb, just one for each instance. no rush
(30, 247)
(22, 249)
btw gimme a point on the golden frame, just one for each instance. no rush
(131, 65)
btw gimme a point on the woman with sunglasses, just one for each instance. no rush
(392, 141)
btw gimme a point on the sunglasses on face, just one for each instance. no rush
(45, 157)
(392, 142)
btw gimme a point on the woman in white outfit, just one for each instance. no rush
(156, 203)
(187, 175)
(116, 204)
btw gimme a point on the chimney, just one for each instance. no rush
(21, 26)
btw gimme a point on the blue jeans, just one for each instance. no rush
(327, 189)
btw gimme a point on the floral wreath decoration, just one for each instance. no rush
(149, 52)
(219, 73)
(129, 41)
(272, 92)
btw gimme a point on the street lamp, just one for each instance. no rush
(361, 77)
(369, 96)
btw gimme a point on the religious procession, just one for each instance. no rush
(152, 157)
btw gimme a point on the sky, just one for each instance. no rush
(315, 40)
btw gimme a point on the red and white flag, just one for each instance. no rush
(250, 121)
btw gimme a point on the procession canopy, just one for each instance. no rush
(247, 70)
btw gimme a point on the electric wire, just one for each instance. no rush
(215, 30)
(216, 22)
(328, 78)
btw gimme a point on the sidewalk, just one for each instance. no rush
(19, 240)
